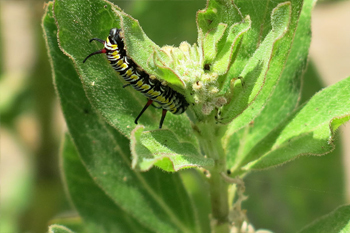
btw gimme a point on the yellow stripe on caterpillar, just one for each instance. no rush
(145, 87)
(139, 83)
(120, 62)
(153, 93)
(162, 99)
(134, 77)
(129, 73)
(116, 55)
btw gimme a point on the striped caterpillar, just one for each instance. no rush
(148, 85)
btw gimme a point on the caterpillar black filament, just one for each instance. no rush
(148, 85)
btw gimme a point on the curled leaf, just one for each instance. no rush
(163, 149)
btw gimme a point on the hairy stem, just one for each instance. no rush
(210, 139)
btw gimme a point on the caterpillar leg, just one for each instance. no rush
(149, 102)
(162, 119)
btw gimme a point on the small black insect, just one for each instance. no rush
(148, 85)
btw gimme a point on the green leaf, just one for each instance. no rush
(70, 220)
(163, 149)
(80, 20)
(161, 61)
(263, 70)
(238, 143)
(59, 229)
(157, 200)
(101, 215)
(309, 131)
(303, 190)
(197, 186)
(231, 44)
(184, 61)
(213, 17)
(211, 40)
(337, 221)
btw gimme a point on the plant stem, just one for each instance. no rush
(219, 202)
(210, 140)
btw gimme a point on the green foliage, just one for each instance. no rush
(336, 221)
(155, 196)
(163, 149)
(242, 80)
(59, 229)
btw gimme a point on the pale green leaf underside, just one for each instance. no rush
(247, 102)
(164, 150)
(217, 13)
(337, 221)
(72, 220)
(59, 229)
(211, 40)
(283, 101)
(161, 65)
(310, 130)
(224, 57)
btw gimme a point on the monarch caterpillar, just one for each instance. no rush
(148, 85)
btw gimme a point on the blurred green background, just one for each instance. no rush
(32, 194)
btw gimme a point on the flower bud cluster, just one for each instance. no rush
(188, 64)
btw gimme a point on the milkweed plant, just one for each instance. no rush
(242, 81)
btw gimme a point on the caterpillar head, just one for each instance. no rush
(115, 35)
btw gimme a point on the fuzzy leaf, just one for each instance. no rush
(211, 41)
(99, 216)
(263, 69)
(59, 229)
(217, 13)
(163, 149)
(80, 20)
(309, 131)
(230, 46)
(306, 173)
(72, 221)
(156, 199)
(160, 63)
(337, 221)
(239, 143)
